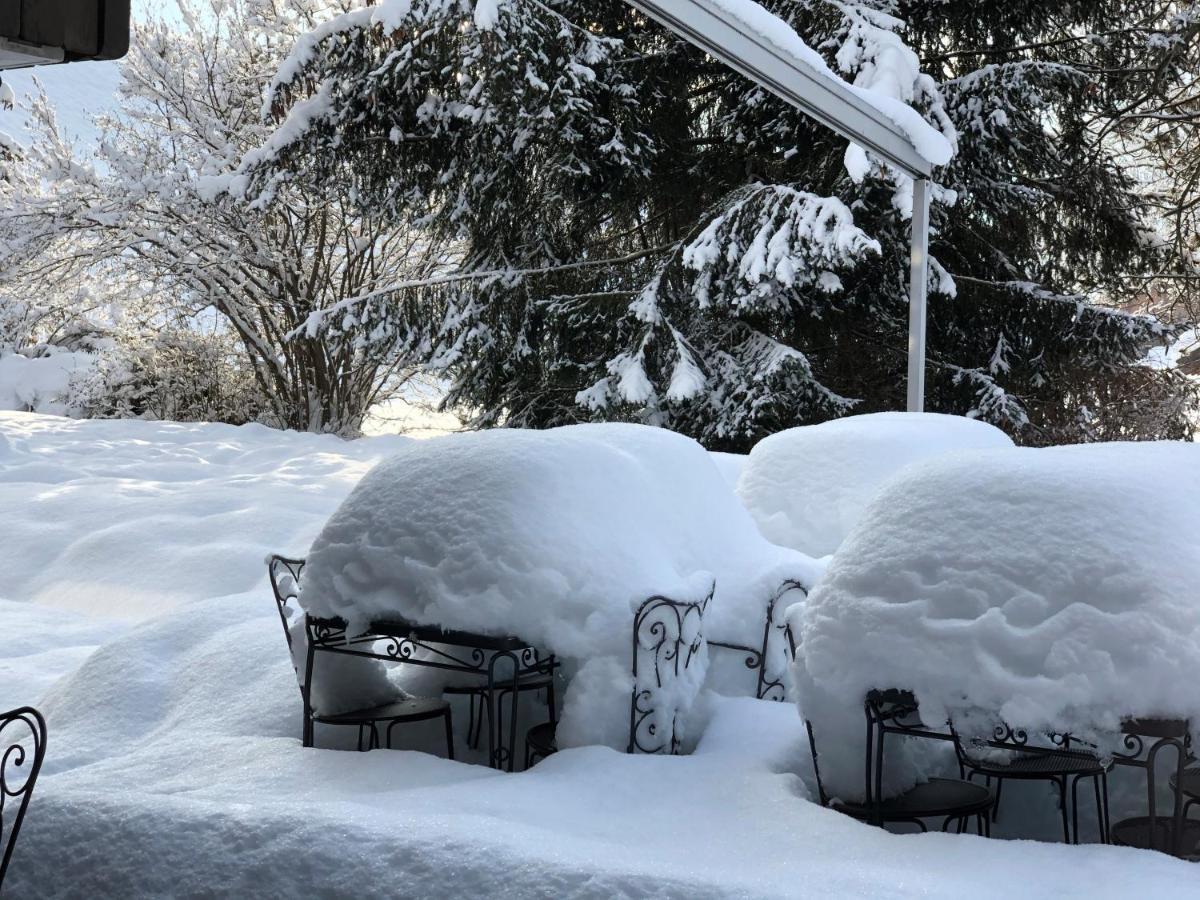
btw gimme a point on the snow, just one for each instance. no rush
(807, 487)
(40, 384)
(730, 465)
(487, 532)
(175, 766)
(877, 86)
(1051, 588)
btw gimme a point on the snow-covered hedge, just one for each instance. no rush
(556, 536)
(1051, 588)
(806, 487)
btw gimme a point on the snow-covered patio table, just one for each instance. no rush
(614, 549)
(1047, 590)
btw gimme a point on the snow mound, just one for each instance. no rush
(807, 487)
(555, 536)
(1049, 588)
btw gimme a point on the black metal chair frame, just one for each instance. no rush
(769, 684)
(667, 636)
(1144, 740)
(478, 708)
(1061, 764)
(508, 665)
(894, 712)
(18, 751)
(367, 721)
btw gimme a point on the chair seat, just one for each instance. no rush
(936, 798)
(1190, 787)
(1144, 834)
(1031, 764)
(409, 709)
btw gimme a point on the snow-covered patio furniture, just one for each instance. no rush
(1057, 759)
(953, 802)
(1143, 741)
(668, 637)
(769, 660)
(322, 636)
(1048, 588)
(22, 750)
(807, 487)
(557, 536)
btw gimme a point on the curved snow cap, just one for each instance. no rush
(556, 536)
(807, 487)
(1053, 588)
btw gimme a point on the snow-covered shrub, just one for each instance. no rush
(558, 537)
(1054, 589)
(177, 374)
(806, 487)
(42, 383)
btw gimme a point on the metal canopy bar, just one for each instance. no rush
(917, 291)
(828, 100)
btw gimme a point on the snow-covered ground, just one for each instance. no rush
(135, 612)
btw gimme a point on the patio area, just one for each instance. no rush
(177, 745)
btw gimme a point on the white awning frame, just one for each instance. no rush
(723, 36)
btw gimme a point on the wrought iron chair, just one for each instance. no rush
(22, 750)
(668, 636)
(1144, 741)
(285, 583)
(1189, 787)
(955, 802)
(1061, 765)
(541, 741)
(769, 660)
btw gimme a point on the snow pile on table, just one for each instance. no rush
(557, 537)
(807, 487)
(1052, 589)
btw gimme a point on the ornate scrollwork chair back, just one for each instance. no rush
(668, 637)
(778, 647)
(22, 750)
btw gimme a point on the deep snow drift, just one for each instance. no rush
(1053, 588)
(175, 766)
(806, 487)
(558, 537)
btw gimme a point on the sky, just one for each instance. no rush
(77, 91)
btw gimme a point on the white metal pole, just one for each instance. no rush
(918, 289)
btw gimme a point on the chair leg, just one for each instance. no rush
(483, 708)
(471, 739)
(1062, 796)
(996, 804)
(449, 735)
(979, 825)
(1100, 830)
(1075, 807)
(550, 701)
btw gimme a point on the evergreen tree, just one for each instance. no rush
(646, 235)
